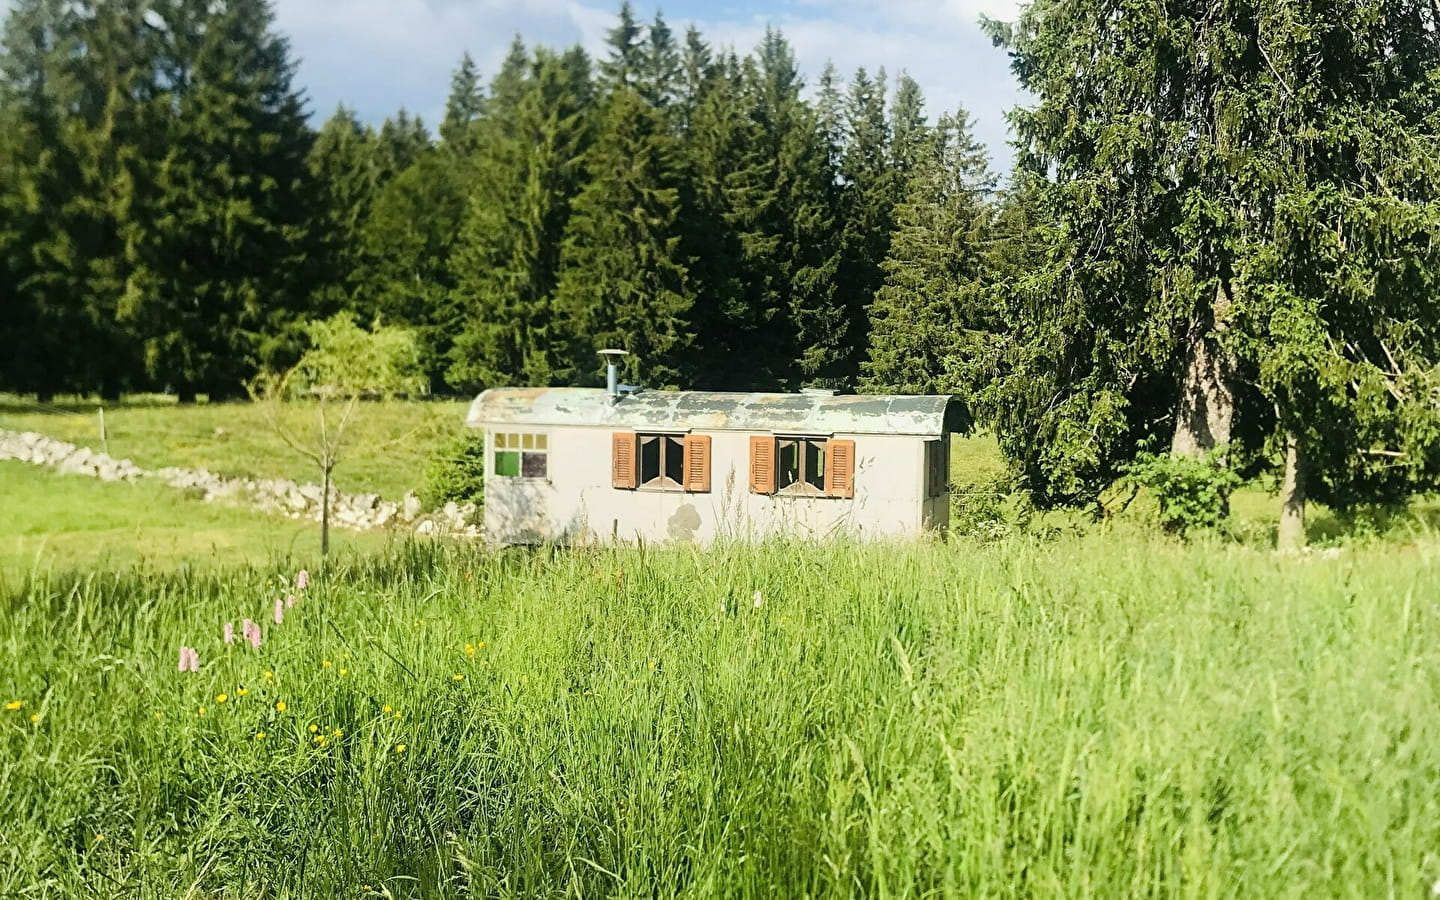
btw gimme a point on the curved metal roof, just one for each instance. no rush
(804, 413)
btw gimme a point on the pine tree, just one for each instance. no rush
(463, 109)
(936, 269)
(399, 144)
(343, 173)
(506, 260)
(661, 73)
(215, 247)
(623, 279)
(625, 63)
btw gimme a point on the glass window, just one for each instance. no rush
(521, 455)
(662, 461)
(802, 465)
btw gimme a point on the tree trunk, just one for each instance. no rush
(325, 513)
(186, 396)
(44, 397)
(1292, 497)
(1207, 396)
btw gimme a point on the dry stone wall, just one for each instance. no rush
(358, 512)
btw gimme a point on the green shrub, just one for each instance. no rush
(990, 510)
(1192, 492)
(456, 472)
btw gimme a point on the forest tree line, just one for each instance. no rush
(171, 220)
(1221, 233)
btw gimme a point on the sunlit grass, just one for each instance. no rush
(1111, 715)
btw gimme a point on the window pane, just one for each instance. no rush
(534, 465)
(507, 462)
(649, 460)
(674, 460)
(815, 464)
(528, 442)
(542, 442)
(789, 464)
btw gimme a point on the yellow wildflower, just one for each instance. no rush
(159, 715)
(269, 674)
(281, 707)
(386, 708)
(481, 645)
(221, 698)
(399, 748)
(34, 717)
(202, 710)
(314, 728)
(319, 738)
(457, 677)
(337, 733)
(242, 692)
(259, 735)
(470, 649)
(99, 838)
(344, 671)
(14, 705)
(325, 663)
(397, 713)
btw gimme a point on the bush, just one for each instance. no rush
(456, 472)
(991, 510)
(1192, 492)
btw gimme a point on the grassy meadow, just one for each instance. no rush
(391, 440)
(1103, 715)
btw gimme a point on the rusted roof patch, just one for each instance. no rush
(928, 416)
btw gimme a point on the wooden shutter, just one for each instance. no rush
(623, 455)
(697, 463)
(762, 465)
(840, 468)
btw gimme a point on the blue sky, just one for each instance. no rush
(378, 55)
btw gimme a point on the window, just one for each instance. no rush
(805, 466)
(937, 468)
(668, 462)
(522, 455)
(662, 461)
(802, 465)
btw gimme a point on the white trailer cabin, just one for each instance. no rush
(580, 465)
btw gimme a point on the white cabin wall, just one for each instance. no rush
(577, 504)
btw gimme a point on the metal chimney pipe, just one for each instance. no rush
(612, 372)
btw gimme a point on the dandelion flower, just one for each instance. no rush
(279, 611)
(399, 748)
(325, 663)
(14, 705)
(221, 698)
(457, 677)
(269, 675)
(242, 692)
(481, 645)
(386, 708)
(34, 717)
(344, 671)
(302, 580)
(259, 735)
(281, 707)
(229, 632)
(202, 711)
(314, 728)
(469, 649)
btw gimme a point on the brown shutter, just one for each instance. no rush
(762, 465)
(697, 463)
(622, 459)
(840, 468)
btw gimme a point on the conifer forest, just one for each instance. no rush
(1219, 231)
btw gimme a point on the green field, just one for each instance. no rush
(65, 522)
(391, 442)
(1109, 715)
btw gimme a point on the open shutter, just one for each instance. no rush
(623, 445)
(762, 465)
(840, 468)
(697, 463)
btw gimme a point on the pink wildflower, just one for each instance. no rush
(302, 580)
(189, 660)
(229, 632)
(290, 601)
(251, 631)
(279, 611)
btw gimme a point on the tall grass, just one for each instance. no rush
(1099, 716)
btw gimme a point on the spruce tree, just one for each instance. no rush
(343, 182)
(463, 109)
(506, 259)
(924, 315)
(216, 246)
(624, 281)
